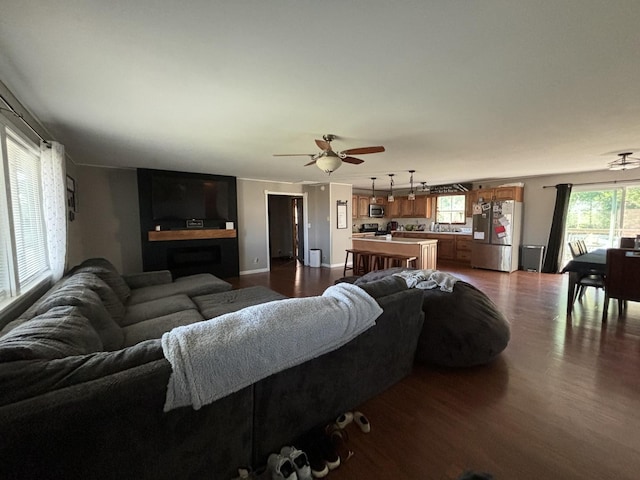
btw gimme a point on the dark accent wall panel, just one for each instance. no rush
(218, 256)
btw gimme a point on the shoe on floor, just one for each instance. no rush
(320, 454)
(362, 422)
(339, 440)
(344, 419)
(300, 461)
(281, 468)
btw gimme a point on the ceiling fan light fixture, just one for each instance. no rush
(624, 162)
(390, 196)
(329, 163)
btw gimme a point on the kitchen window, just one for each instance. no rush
(450, 209)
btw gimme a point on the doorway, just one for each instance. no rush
(286, 233)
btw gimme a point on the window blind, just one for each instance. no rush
(24, 184)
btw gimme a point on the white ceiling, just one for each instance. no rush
(459, 90)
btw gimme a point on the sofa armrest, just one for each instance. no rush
(146, 279)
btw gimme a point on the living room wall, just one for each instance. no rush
(252, 221)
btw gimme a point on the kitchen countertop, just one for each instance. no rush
(412, 241)
(428, 232)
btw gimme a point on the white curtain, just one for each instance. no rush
(54, 203)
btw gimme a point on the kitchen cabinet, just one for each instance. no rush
(488, 194)
(394, 208)
(403, 207)
(451, 247)
(363, 207)
(463, 248)
(360, 207)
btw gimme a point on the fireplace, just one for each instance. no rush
(184, 261)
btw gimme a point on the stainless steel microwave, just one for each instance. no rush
(376, 211)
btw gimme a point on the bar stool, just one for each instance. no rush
(402, 261)
(364, 262)
(354, 256)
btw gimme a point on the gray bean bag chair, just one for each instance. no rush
(461, 329)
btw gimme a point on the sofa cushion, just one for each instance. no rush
(109, 298)
(383, 286)
(216, 304)
(57, 333)
(91, 307)
(46, 375)
(108, 273)
(192, 285)
(155, 327)
(156, 308)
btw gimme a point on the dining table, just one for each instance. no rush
(590, 263)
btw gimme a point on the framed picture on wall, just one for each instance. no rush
(342, 214)
(72, 201)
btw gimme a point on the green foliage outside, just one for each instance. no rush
(601, 209)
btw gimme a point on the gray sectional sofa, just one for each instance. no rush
(83, 379)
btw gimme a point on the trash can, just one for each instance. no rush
(531, 257)
(315, 255)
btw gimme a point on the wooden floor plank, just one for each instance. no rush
(561, 402)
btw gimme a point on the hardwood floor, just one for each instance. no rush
(561, 402)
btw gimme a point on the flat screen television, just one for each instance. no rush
(176, 196)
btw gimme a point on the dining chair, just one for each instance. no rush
(622, 279)
(574, 249)
(588, 279)
(627, 242)
(582, 247)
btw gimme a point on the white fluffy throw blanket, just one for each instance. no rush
(216, 357)
(428, 279)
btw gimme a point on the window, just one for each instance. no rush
(601, 217)
(450, 209)
(23, 246)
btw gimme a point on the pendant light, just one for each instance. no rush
(390, 197)
(373, 190)
(412, 195)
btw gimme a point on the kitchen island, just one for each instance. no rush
(425, 250)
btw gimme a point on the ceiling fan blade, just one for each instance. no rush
(310, 163)
(354, 160)
(363, 150)
(323, 145)
(293, 154)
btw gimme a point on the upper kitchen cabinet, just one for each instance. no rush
(497, 193)
(403, 207)
(363, 207)
(360, 206)
(394, 209)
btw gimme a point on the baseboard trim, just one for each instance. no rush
(258, 270)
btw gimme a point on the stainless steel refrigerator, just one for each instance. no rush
(496, 235)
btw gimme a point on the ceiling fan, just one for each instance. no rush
(329, 161)
(625, 162)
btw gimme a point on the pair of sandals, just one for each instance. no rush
(356, 417)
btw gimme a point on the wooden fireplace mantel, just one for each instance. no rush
(190, 234)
